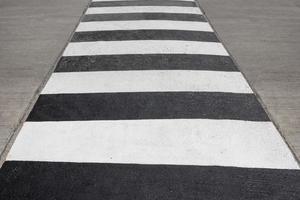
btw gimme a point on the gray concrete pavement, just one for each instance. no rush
(264, 38)
(32, 33)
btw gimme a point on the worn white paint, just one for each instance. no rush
(146, 81)
(144, 47)
(144, 9)
(132, 0)
(144, 25)
(179, 142)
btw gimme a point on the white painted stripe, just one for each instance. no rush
(144, 9)
(146, 81)
(182, 142)
(131, 0)
(144, 47)
(144, 25)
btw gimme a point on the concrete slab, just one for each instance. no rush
(263, 37)
(32, 35)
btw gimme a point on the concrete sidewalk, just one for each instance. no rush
(263, 37)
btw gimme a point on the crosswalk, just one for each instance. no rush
(146, 103)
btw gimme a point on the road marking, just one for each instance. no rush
(144, 3)
(143, 9)
(144, 47)
(144, 25)
(135, 0)
(146, 81)
(176, 142)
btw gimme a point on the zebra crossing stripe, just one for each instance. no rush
(144, 47)
(143, 16)
(143, 9)
(176, 142)
(145, 62)
(143, 3)
(134, 0)
(146, 81)
(144, 25)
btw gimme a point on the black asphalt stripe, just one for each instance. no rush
(82, 181)
(147, 105)
(143, 16)
(144, 35)
(145, 62)
(143, 3)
